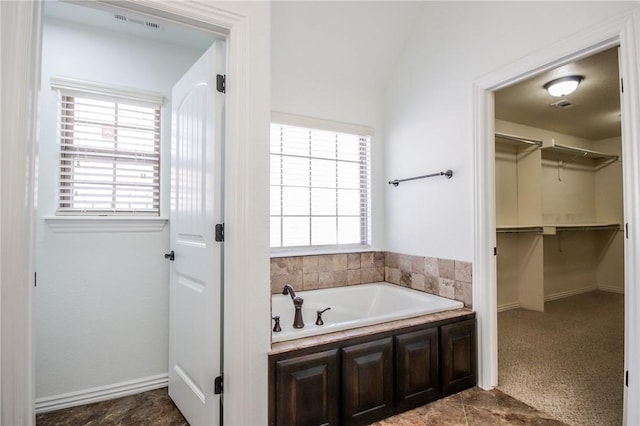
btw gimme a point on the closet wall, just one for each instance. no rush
(558, 216)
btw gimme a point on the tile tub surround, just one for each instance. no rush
(326, 271)
(443, 277)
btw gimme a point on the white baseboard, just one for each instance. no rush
(611, 289)
(569, 293)
(561, 295)
(101, 393)
(508, 306)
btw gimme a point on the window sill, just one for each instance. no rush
(320, 251)
(89, 224)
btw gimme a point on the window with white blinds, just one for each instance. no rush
(109, 154)
(319, 188)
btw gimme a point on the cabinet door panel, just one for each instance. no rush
(307, 389)
(458, 342)
(417, 365)
(367, 374)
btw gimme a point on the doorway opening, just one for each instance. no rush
(101, 305)
(560, 242)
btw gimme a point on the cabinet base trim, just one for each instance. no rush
(101, 393)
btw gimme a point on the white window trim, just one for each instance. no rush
(83, 87)
(331, 126)
(122, 221)
(96, 224)
(320, 124)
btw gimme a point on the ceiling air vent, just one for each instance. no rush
(563, 104)
(143, 23)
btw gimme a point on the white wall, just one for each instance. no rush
(332, 60)
(429, 116)
(101, 301)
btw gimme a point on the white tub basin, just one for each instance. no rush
(354, 306)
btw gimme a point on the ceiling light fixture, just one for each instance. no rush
(564, 85)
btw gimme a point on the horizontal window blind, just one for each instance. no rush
(109, 155)
(319, 187)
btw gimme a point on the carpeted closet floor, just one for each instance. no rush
(567, 361)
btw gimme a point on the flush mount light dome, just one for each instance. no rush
(564, 85)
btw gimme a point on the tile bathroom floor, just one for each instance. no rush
(473, 407)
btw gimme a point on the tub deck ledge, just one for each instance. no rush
(306, 342)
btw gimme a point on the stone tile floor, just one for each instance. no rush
(473, 407)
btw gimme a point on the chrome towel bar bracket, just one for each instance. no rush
(396, 182)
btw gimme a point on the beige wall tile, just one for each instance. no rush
(393, 275)
(325, 279)
(417, 281)
(446, 288)
(310, 281)
(353, 261)
(405, 278)
(432, 284)
(417, 265)
(278, 282)
(463, 293)
(353, 276)
(339, 278)
(367, 260)
(339, 262)
(446, 269)
(444, 277)
(463, 271)
(404, 261)
(431, 267)
(310, 264)
(392, 260)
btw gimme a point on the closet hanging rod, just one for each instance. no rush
(396, 182)
(519, 139)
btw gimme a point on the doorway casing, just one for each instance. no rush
(622, 31)
(247, 122)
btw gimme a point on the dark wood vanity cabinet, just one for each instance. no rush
(367, 382)
(308, 389)
(417, 368)
(459, 369)
(367, 378)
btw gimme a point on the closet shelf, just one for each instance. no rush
(517, 229)
(554, 229)
(517, 140)
(570, 153)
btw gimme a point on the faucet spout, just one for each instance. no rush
(289, 290)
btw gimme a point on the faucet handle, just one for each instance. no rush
(319, 317)
(276, 327)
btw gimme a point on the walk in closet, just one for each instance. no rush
(559, 215)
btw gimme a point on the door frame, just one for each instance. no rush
(247, 116)
(621, 30)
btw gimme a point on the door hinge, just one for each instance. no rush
(221, 83)
(495, 251)
(626, 230)
(220, 232)
(218, 385)
(621, 85)
(35, 279)
(626, 378)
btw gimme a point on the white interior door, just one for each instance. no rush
(196, 200)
